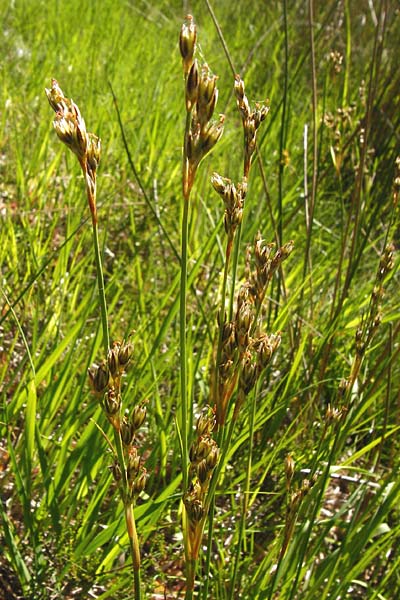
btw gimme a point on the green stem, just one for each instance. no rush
(187, 183)
(182, 342)
(224, 444)
(190, 577)
(210, 509)
(210, 533)
(189, 562)
(221, 463)
(134, 546)
(242, 525)
(129, 516)
(100, 284)
(215, 393)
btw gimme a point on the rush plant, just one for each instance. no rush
(106, 377)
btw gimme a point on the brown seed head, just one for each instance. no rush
(133, 465)
(56, 98)
(112, 361)
(205, 422)
(93, 151)
(220, 184)
(192, 86)
(187, 43)
(112, 402)
(212, 457)
(211, 136)
(289, 468)
(140, 482)
(71, 129)
(127, 432)
(138, 416)
(195, 510)
(99, 377)
(248, 374)
(116, 471)
(203, 471)
(125, 354)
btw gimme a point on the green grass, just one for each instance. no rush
(62, 525)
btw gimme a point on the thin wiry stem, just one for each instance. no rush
(186, 189)
(71, 129)
(223, 442)
(128, 508)
(246, 492)
(182, 342)
(101, 290)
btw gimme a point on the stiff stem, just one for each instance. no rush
(242, 524)
(187, 183)
(182, 334)
(128, 507)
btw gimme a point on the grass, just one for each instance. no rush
(326, 525)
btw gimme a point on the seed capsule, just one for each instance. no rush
(138, 416)
(99, 377)
(187, 42)
(127, 432)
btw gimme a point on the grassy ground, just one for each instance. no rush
(325, 177)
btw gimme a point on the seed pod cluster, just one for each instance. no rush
(246, 351)
(201, 96)
(294, 501)
(372, 319)
(71, 130)
(203, 455)
(267, 263)
(187, 43)
(136, 474)
(106, 380)
(251, 120)
(233, 198)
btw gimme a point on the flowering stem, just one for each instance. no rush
(186, 188)
(246, 492)
(128, 508)
(183, 351)
(134, 546)
(100, 284)
(70, 128)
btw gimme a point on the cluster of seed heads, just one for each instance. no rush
(233, 197)
(203, 455)
(246, 351)
(105, 380)
(244, 355)
(254, 361)
(295, 496)
(370, 322)
(333, 414)
(204, 451)
(201, 96)
(71, 129)
(336, 60)
(396, 182)
(136, 474)
(267, 262)
(251, 119)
